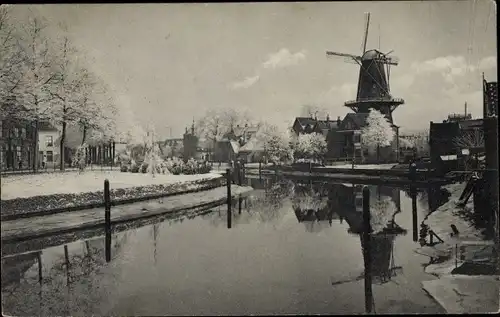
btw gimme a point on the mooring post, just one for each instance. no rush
(413, 194)
(107, 219)
(240, 200)
(413, 172)
(228, 183)
(366, 250)
(66, 257)
(39, 260)
(239, 172)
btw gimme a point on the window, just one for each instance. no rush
(15, 132)
(50, 156)
(23, 133)
(49, 141)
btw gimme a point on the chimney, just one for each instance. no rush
(327, 118)
(338, 120)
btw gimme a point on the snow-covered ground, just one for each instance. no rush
(366, 166)
(22, 186)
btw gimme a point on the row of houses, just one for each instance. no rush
(17, 146)
(343, 138)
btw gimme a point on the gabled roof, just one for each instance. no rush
(359, 119)
(323, 124)
(303, 121)
(254, 144)
(235, 146)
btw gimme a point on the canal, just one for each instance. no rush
(293, 248)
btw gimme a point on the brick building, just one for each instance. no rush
(17, 142)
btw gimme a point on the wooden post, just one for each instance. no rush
(413, 172)
(39, 260)
(114, 152)
(413, 194)
(228, 183)
(66, 257)
(239, 173)
(107, 219)
(366, 249)
(239, 204)
(260, 169)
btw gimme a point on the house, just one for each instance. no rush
(226, 150)
(17, 144)
(48, 145)
(344, 142)
(451, 139)
(190, 144)
(244, 133)
(303, 125)
(252, 151)
(325, 126)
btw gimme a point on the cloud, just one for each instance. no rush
(284, 58)
(449, 66)
(246, 83)
(488, 63)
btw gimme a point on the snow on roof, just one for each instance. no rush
(254, 144)
(235, 146)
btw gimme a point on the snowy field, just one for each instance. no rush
(367, 166)
(22, 186)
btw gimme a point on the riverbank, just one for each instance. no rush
(460, 261)
(36, 227)
(35, 195)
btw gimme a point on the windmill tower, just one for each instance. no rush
(373, 84)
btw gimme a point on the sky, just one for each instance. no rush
(169, 63)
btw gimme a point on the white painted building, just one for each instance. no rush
(48, 149)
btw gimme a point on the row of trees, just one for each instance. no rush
(45, 78)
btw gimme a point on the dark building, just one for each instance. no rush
(345, 141)
(303, 125)
(17, 144)
(190, 143)
(325, 126)
(448, 140)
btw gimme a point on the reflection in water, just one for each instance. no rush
(266, 264)
(58, 270)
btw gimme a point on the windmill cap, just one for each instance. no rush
(371, 54)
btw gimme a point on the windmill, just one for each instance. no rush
(373, 84)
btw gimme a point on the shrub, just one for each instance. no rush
(134, 168)
(124, 168)
(144, 167)
(204, 169)
(190, 167)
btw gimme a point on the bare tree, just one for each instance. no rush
(470, 139)
(10, 58)
(38, 74)
(313, 111)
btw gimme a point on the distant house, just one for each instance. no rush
(48, 145)
(252, 151)
(325, 126)
(226, 150)
(445, 153)
(190, 144)
(303, 125)
(243, 134)
(17, 143)
(345, 141)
